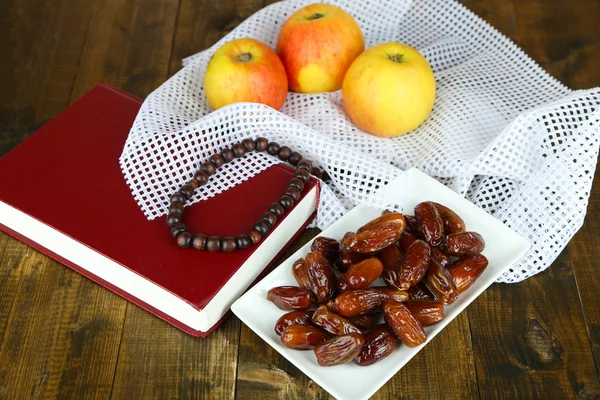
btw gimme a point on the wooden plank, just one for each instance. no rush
(155, 359)
(530, 339)
(585, 253)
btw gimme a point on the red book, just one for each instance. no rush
(63, 193)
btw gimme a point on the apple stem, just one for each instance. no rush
(315, 16)
(397, 58)
(244, 57)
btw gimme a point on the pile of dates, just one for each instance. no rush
(425, 260)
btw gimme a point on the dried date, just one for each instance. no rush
(406, 327)
(303, 337)
(391, 257)
(363, 273)
(466, 271)
(299, 272)
(387, 218)
(452, 222)
(440, 284)
(414, 265)
(420, 292)
(333, 323)
(439, 257)
(379, 343)
(427, 312)
(406, 239)
(291, 298)
(430, 222)
(321, 276)
(293, 318)
(374, 240)
(329, 247)
(339, 350)
(464, 244)
(363, 301)
(365, 321)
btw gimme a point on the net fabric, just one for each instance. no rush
(506, 135)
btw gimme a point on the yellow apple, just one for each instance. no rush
(245, 70)
(317, 44)
(389, 90)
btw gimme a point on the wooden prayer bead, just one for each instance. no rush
(295, 158)
(217, 160)
(213, 244)
(261, 144)
(184, 239)
(249, 144)
(227, 155)
(228, 244)
(199, 242)
(273, 148)
(255, 237)
(243, 241)
(284, 153)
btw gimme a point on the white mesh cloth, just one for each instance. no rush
(503, 132)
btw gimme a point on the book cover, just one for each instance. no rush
(62, 192)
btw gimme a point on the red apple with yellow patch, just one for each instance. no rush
(389, 90)
(245, 70)
(317, 44)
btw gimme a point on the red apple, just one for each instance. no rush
(317, 44)
(245, 70)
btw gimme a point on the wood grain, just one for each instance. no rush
(62, 336)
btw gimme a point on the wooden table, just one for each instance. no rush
(62, 336)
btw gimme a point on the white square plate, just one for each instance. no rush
(350, 381)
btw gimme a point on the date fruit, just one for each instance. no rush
(365, 321)
(293, 318)
(439, 257)
(406, 239)
(374, 240)
(415, 264)
(329, 247)
(303, 337)
(419, 292)
(363, 273)
(339, 350)
(430, 223)
(427, 312)
(333, 323)
(321, 276)
(411, 223)
(440, 284)
(406, 327)
(379, 343)
(466, 271)
(452, 222)
(392, 217)
(391, 257)
(347, 257)
(291, 298)
(300, 274)
(363, 301)
(463, 244)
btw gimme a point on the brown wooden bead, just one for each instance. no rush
(270, 217)
(249, 144)
(178, 198)
(261, 144)
(243, 241)
(213, 244)
(228, 244)
(238, 150)
(293, 192)
(201, 177)
(273, 148)
(176, 208)
(295, 158)
(208, 167)
(284, 153)
(227, 155)
(216, 159)
(286, 201)
(303, 175)
(255, 237)
(297, 183)
(184, 239)
(187, 191)
(304, 164)
(193, 183)
(173, 218)
(316, 172)
(199, 242)
(262, 226)
(277, 209)
(177, 229)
